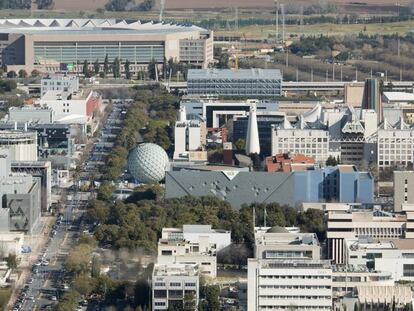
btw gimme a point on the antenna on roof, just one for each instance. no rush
(162, 4)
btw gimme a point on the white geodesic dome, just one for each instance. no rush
(147, 163)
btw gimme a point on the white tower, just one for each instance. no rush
(252, 139)
(182, 114)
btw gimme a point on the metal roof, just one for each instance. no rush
(240, 74)
(90, 26)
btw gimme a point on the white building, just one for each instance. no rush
(76, 107)
(189, 136)
(31, 114)
(395, 144)
(356, 223)
(217, 238)
(174, 248)
(171, 283)
(289, 284)
(403, 190)
(310, 141)
(59, 83)
(22, 145)
(392, 255)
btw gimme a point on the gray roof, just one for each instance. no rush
(91, 26)
(241, 74)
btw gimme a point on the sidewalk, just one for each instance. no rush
(36, 241)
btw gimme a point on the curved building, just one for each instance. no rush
(53, 45)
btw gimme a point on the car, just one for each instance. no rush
(37, 264)
(45, 263)
(53, 298)
(31, 298)
(35, 271)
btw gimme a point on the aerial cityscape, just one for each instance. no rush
(207, 155)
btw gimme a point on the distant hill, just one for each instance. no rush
(91, 5)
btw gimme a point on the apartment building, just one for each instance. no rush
(172, 283)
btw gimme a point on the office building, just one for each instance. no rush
(346, 279)
(371, 99)
(175, 249)
(59, 83)
(62, 45)
(77, 107)
(354, 223)
(390, 255)
(217, 113)
(395, 145)
(289, 284)
(22, 144)
(244, 83)
(189, 136)
(403, 190)
(383, 298)
(279, 243)
(31, 114)
(20, 198)
(342, 183)
(217, 238)
(312, 140)
(171, 283)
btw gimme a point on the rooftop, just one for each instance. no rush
(91, 26)
(175, 270)
(253, 73)
(399, 96)
(59, 95)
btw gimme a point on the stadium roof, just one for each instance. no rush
(90, 26)
(253, 73)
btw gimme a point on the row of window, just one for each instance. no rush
(175, 284)
(314, 277)
(295, 297)
(295, 287)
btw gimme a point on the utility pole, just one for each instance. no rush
(356, 74)
(287, 57)
(297, 75)
(236, 18)
(341, 73)
(277, 20)
(312, 74)
(282, 8)
(327, 75)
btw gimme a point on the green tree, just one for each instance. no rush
(35, 73)
(11, 261)
(11, 74)
(152, 69)
(211, 294)
(146, 5)
(240, 144)
(127, 70)
(96, 67)
(116, 68)
(106, 65)
(22, 73)
(85, 69)
(189, 302)
(331, 161)
(105, 191)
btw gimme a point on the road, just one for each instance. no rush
(46, 283)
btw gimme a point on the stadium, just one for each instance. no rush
(56, 45)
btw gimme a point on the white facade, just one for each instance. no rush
(22, 145)
(172, 282)
(310, 142)
(284, 284)
(395, 256)
(192, 245)
(188, 136)
(31, 114)
(353, 224)
(252, 138)
(395, 145)
(59, 83)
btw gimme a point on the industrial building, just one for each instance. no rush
(243, 83)
(342, 184)
(62, 45)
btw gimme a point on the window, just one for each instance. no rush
(174, 284)
(166, 253)
(408, 270)
(190, 284)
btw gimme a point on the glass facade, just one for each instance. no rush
(78, 52)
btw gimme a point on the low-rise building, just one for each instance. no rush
(392, 255)
(21, 144)
(172, 283)
(403, 190)
(60, 83)
(286, 162)
(31, 114)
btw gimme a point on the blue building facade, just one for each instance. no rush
(341, 183)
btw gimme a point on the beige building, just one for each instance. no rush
(403, 190)
(56, 45)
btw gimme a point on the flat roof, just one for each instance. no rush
(254, 73)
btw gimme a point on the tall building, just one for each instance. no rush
(62, 45)
(287, 273)
(252, 137)
(244, 83)
(371, 99)
(403, 190)
(172, 283)
(22, 144)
